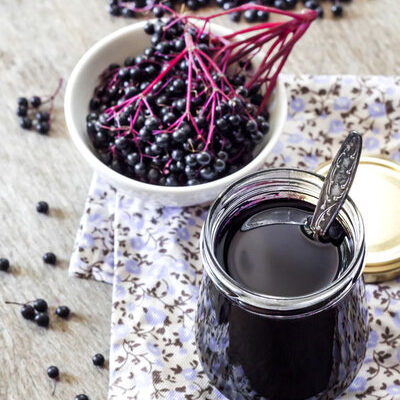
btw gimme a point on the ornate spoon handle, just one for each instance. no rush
(337, 184)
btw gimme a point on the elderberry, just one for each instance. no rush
(29, 112)
(42, 319)
(98, 360)
(35, 101)
(81, 397)
(53, 372)
(4, 264)
(40, 305)
(28, 312)
(42, 207)
(337, 10)
(25, 123)
(50, 258)
(63, 312)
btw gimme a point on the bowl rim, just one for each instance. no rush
(124, 181)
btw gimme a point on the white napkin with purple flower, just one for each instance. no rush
(150, 254)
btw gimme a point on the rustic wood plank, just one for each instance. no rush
(39, 42)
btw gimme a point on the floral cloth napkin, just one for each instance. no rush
(150, 255)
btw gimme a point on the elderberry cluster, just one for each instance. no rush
(139, 141)
(133, 8)
(29, 115)
(38, 311)
(336, 7)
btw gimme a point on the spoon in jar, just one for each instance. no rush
(333, 194)
(336, 186)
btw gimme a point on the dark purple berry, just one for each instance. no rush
(114, 10)
(290, 4)
(22, 111)
(42, 207)
(42, 319)
(22, 101)
(208, 173)
(35, 101)
(81, 397)
(42, 116)
(63, 312)
(251, 126)
(262, 16)
(42, 127)
(219, 165)
(235, 16)
(158, 12)
(337, 10)
(149, 28)
(98, 360)
(281, 4)
(28, 312)
(311, 4)
(203, 158)
(40, 305)
(25, 123)
(4, 264)
(53, 372)
(49, 258)
(127, 12)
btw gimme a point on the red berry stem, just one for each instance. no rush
(53, 96)
(18, 304)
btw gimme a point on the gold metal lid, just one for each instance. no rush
(376, 192)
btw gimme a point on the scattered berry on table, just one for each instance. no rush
(42, 127)
(28, 312)
(53, 372)
(40, 305)
(35, 101)
(63, 312)
(42, 319)
(50, 258)
(22, 111)
(25, 123)
(81, 397)
(30, 114)
(42, 207)
(337, 10)
(98, 360)
(42, 116)
(22, 101)
(4, 264)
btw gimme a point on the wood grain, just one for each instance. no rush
(39, 42)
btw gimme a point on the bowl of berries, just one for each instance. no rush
(175, 110)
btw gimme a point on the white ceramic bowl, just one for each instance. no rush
(116, 47)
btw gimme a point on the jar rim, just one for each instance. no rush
(260, 302)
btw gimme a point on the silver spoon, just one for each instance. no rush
(333, 194)
(337, 184)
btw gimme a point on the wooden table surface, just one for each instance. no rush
(41, 41)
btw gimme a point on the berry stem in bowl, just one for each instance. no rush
(192, 108)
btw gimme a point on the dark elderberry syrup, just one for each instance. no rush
(280, 316)
(266, 250)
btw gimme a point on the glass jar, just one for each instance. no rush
(255, 346)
